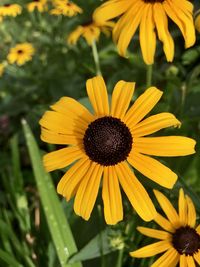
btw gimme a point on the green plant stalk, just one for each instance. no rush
(59, 228)
(96, 58)
(149, 75)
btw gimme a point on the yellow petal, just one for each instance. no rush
(151, 250)
(152, 169)
(197, 23)
(147, 34)
(183, 262)
(110, 10)
(161, 22)
(182, 20)
(129, 30)
(197, 257)
(60, 139)
(164, 223)
(191, 212)
(75, 35)
(155, 123)
(135, 192)
(87, 191)
(190, 261)
(73, 109)
(182, 205)
(158, 234)
(111, 194)
(62, 158)
(72, 177)
(169, 259)
(168, 209)
(167, 146)
(121, 97)
(98, 96)
(142, 106)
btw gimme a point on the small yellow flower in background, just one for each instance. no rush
(21, 53)
(40, 5)
(65, 8)
(197, 21)
(148, 16)
(11, 10)
(106, 144)
(180, 239)
(90, 32)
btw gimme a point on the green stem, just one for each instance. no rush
(149, 75)
(96, 58)
(120, 258)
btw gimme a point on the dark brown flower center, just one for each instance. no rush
(7, 5)
(19, 51)
(107, 141)
(153, 1)
(186, 240)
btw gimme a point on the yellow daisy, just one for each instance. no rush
(40, 5)
(11, 10)
(180, 239)
(106, 144)
(150, 16)
(21, 53)
(90, 32)
(65, 8)
(197, 21)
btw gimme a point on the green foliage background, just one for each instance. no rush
(27, 235)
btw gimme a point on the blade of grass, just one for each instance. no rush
(7, 258)
(58, 225)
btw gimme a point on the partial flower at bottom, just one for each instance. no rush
(180, 237)
(103, 146)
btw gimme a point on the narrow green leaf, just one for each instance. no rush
(58, 225)
(7, 258)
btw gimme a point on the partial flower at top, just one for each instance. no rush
(90, 32)
(21, 53)
(40, 5)
(197, 20)
(11, 10)
(148, 15)
(180, 239)
(65, 8)
(107, 143)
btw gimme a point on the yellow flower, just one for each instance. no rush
(10, 10)
(40, 5)
(2, 67)
(197, 21)
(21, 53)
(106, 143)
(90, 32)
(180, 239)
(150, 16)
(65, 8)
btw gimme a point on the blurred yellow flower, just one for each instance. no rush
(149, 16)
(40, 5)
(180, 240)
(21, 53)
(104, 144)
(90, 32)
(65, 8)
(197, 21)
(2, 67)
(11, 10)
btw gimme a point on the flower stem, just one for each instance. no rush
(96, 58)
(120, 258)
(149, 75)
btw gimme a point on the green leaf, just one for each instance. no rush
(7, 258)
(58, 225)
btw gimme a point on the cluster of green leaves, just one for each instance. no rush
(36, 228)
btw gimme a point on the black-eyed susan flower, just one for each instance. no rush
(21, 53)
(197, 21)
(65, 8)
(90, 32)
(106, 143)
(150, 16)
(40, 5)
(11, 10)
(180, 239)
